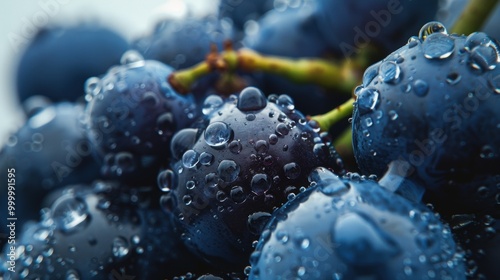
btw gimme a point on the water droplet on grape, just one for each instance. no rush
(260, 184)
(131, 57)
(228, 170)
(420, 87)
(190, 159)
(120, 247)
(367, 100)
(69, 213)
(438, 46)
(218, 134)
(389, 72)
(251, 99)
(211, 104)
(292, 170)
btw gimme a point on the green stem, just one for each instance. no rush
(341, 112)
(342, 75)
(343, 144)
(337, 76)
(183, 80)
(473, 16)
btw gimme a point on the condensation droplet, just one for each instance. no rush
(251, 99)
(420, 87)
(431, 28)
(166, 180)
(367, 100)
(206, 159)
(120, 247)
(260, 184)
(228, 170)
(211, 104)
(69, 213)
(218, 134)
(190, 159)
(438, 46)
(292, 170)
(389, 72)
(131, 57)
(235, 146)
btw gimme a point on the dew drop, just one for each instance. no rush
(413, 42)
(151, 99)
(42, 234)
(72, 275)
(165, 124)
(367, 100)
(438, 46)
(187, 199)
(420, 87)
(235, 146)
(218, 134)
(190, 159)
(453, 78)
(261, 147)
(251, 99)
(389, 72)
(182, 141)
(273, 139)
(393, 115)
(282, 129)
(250, 117)
(92, 87)
(211, 104)
(494, 81)
(292, 170)
(260, 184)
(286, 102)
(484, 58)
(368, 122)
(130, 57)
(257, 221)
(120, 247)
(228, 170)
(166, 180)
(69, 213)
(431, 28)
(206, 159)
(477, 39)
(237, 194)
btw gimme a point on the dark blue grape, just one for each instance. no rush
(95, 232)
(58, 60)
(348, 25)
(292, 32)
(351, 228)
(48, 152)
(181, 43)
(252, 156)
(132, 114)
(433, 104)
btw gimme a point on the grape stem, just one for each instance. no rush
(340, 76)
(343, 143)
(341, 112)
(473, 16)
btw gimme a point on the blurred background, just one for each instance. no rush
(21, 19)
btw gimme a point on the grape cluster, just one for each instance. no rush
(192, 152)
